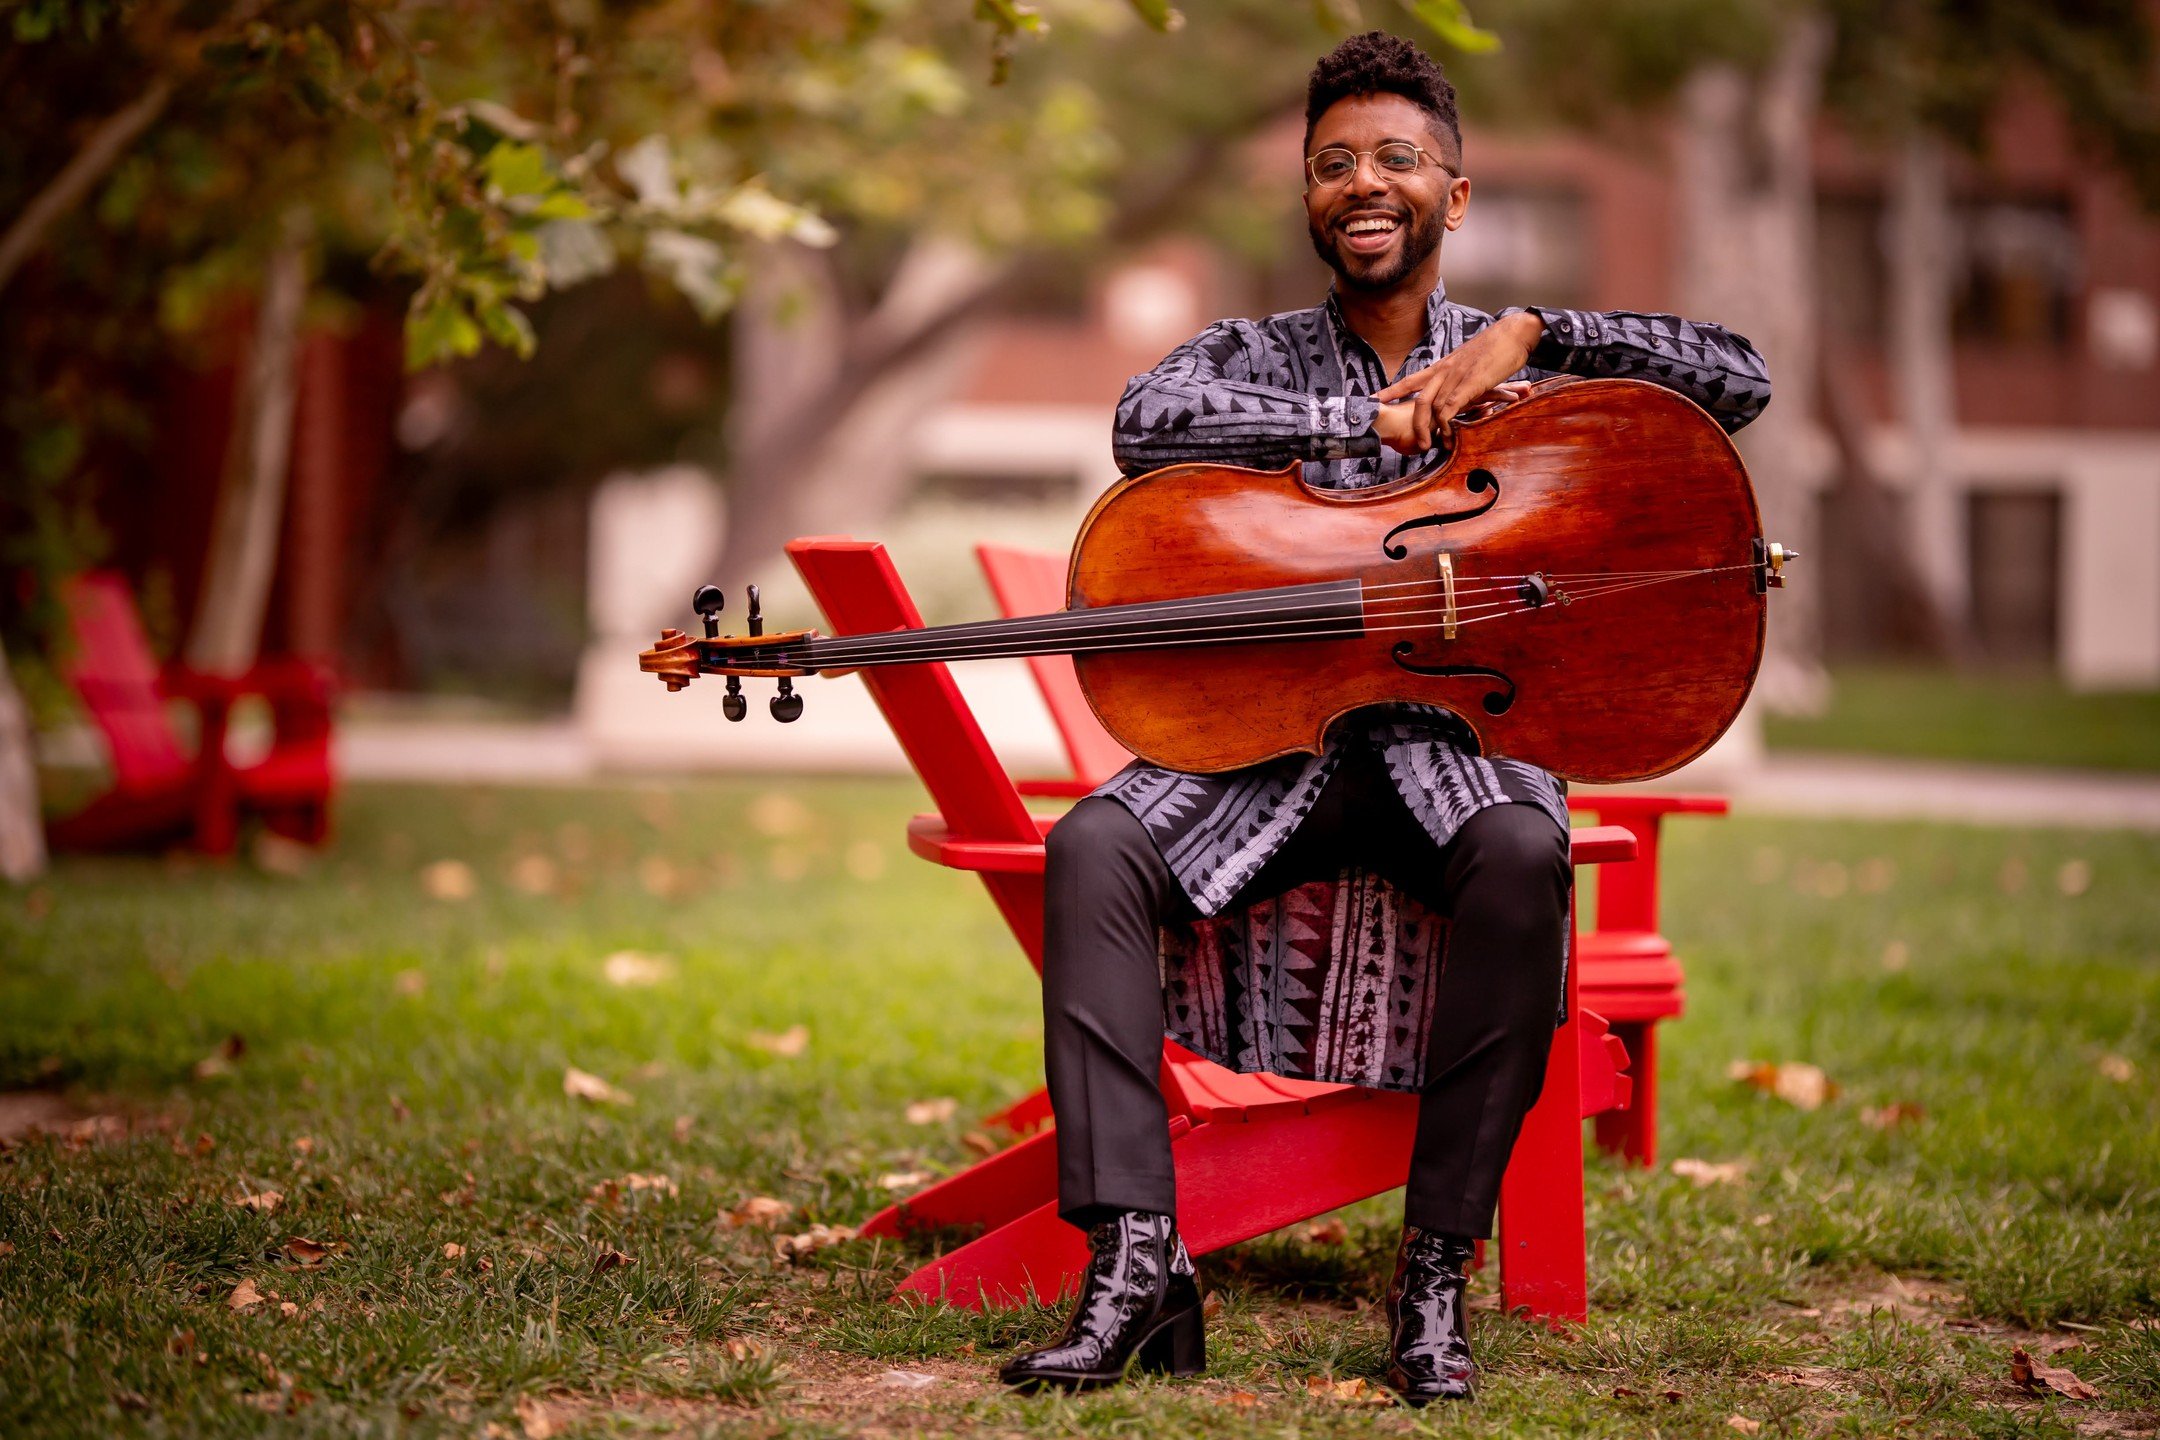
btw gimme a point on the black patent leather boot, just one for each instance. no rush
(1429, 1353)
(1137, 1299)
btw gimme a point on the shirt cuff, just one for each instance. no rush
(1342, 427)
(1568, 335)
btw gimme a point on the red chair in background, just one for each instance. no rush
(1254, 1152)
(161, 793)
(1629, 973)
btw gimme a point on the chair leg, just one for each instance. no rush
(1543, 1251)
(1631, 1134)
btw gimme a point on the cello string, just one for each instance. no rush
(834, 657)
(889, 645)
(838, 655)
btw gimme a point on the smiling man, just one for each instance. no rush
(1360, 389)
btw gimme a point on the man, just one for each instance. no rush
(1360, 389)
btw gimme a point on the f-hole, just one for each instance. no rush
(1496, 702)
(1477, 482)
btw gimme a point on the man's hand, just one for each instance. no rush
(1420, 408)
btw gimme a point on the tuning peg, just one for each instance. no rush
(757, 614)
(732, 704)
(787, 705)
(709, 602)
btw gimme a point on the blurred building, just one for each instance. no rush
(2048, 529)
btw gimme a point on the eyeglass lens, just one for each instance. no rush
(1333, 166)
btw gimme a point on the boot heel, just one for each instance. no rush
(1178, 1346)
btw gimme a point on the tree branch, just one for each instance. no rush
(107, 143)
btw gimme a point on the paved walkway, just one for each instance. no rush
(1824, 785)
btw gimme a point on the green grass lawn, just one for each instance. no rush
(398, 1078)
(2001, 718)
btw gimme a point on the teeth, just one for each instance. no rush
(1370, 226)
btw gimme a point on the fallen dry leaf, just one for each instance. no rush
(777, 813)
(610, 1192)
(787, 1044)
(263, 1202)
(1744, 1425)
(903, 1179)
(1706, 1173)
(683, 1125)
(274, 854)
(2117, 1068)
(635, 967)
(746, 1350)
(533, 874)
(1796, 1082)
(452, 1250)
(534, 1418)
(1331, 1231)
(2011, 877)
(308, 1253)
(449, 880)
(907, 1379)
(409, 983)
(2037, 1376)
(580, 1085)
(809, 1242)
(1896, 955)
(1893, 1115)
(288, 1309)
(759, 1210)
(244, 1297)
(609, 1259)
(1807, 1377)
(2074, 878)
(980, 1143)
(931, 1112)
(305, 1145)
(1212, 1307)
(1345, 1392)
(1239, 1400)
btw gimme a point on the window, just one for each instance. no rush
(2016, 268)
(1519, 247)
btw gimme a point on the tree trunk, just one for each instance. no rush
(1923, 373)
(1747, 210)
(107, 142)
(22, 829)
(251, 498)
(825, 410)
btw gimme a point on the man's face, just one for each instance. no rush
(1377, 230)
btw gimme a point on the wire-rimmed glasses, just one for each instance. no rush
(1394, 161)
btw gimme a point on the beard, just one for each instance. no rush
(1378, 272)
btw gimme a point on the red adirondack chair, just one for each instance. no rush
(160, 792)
(1254, 1152)
(1629, 973)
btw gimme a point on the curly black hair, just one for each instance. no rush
(1377, 63)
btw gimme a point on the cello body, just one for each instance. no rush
(1630, 653)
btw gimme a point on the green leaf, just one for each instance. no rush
(1450, 20)
(515, 169)
(508, 325)
(1160, 14)
(436, 331)
(562, 205)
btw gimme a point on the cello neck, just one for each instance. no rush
(1326, 609)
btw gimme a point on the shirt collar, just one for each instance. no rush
(1435, 313)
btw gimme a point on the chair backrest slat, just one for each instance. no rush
(855, 584)
(1032, 582)
(112, 670)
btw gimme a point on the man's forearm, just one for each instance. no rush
(1709, 364)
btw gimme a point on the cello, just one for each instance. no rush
(1582, 581)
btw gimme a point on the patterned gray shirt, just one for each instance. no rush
(1299, 386)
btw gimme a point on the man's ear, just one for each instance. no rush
(1458, 202)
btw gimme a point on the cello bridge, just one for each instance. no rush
(1447, 594)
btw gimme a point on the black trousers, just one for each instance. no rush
(1502, 881)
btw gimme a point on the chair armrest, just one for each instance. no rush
(1621, 807)
(1601, 844)
(1056, 789)
(281, 678)
(930, 837)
